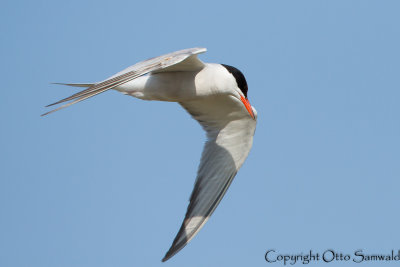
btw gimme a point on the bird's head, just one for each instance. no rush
(241, 89)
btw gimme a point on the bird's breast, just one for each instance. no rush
(180, 86)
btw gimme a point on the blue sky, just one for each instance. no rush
(107, 181)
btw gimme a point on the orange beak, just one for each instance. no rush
(248, 106)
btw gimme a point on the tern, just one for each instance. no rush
(213, 94)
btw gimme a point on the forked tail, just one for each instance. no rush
(91, 90)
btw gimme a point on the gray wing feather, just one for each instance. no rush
(227, 147)
(150, 65)
(216, 172)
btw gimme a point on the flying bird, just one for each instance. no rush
(213, 94)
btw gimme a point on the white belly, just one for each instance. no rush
(178, 86)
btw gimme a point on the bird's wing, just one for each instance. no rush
(229, 139)
(183, 60)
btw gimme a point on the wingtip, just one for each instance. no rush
(169, 255)
(201, 49)
(196, 50)
(175, 247)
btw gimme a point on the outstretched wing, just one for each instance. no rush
(183, 60)
(229, 140)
